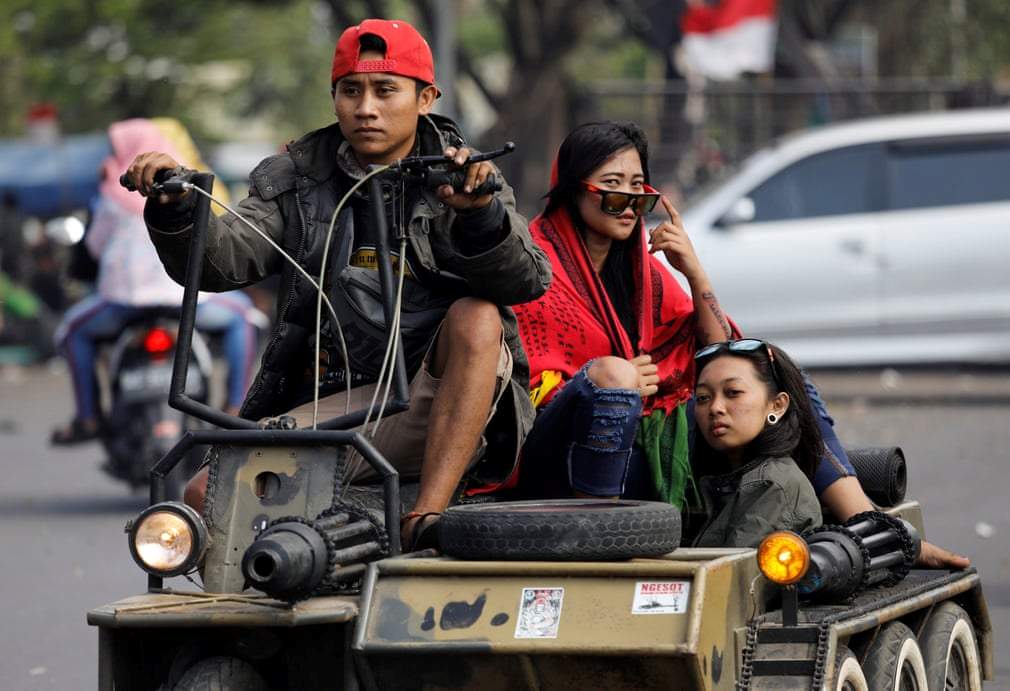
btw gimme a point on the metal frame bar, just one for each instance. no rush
(239, 431)
(177, 397)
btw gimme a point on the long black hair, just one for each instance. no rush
(584, 150)
(796, 434)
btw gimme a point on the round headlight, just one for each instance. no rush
(783, 557)
(168, 539)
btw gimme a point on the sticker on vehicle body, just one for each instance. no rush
(539, 612)
(661, 597)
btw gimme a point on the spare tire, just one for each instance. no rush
(881, 472)
(560, 530)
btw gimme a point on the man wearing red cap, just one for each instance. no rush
(468, 258)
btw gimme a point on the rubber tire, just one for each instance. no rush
(560, 530)
(894, 647)
(848, 672)
(947, 625)
(221, 674)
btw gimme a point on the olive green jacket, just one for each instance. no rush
(763, 496)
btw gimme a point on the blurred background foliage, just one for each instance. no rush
(258, 70)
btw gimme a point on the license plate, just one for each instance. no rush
(156, 381)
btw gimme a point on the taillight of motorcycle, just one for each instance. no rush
(158, 341)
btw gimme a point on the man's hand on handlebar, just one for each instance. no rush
(143, 170)
(476, 174)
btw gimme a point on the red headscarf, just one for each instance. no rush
(574, 321)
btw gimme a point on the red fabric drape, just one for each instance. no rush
(574, 321)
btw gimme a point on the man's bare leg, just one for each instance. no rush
(196, 490)
(465, 361)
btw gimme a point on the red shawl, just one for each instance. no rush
(574, 321)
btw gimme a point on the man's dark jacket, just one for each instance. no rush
(292, 198)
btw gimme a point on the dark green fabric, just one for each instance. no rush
(765, 495)
(664, 441)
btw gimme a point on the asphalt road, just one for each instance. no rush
(62, 549)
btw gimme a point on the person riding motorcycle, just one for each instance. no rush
(469, 257)
(131, 281)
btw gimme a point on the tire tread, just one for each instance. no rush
(616, 530)
(221, 674)
(881, 661)
(934, 641)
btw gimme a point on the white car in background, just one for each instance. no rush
(882, 241)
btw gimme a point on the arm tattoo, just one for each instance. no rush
(713, 305)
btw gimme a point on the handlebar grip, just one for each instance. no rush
(456, 179)
(172, 186)
(491, 184)
(162, 183)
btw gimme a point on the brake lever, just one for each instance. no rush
(435, 171)
(415, 162)
(166, 185)
(434, 179)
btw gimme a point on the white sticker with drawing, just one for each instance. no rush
(661, 597)
(539, 612)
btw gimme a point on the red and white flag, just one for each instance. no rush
(726, 38)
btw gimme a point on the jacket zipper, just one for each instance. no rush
(299, 254)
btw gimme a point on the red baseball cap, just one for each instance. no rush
(407, 53)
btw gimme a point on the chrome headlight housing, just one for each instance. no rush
(167, 539)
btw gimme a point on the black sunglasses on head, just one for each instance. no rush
(743, 345)
(614, 203)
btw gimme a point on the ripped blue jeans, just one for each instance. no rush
(582, 441)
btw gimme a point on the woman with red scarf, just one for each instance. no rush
(611, 343)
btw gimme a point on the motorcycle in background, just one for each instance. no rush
(140, 425)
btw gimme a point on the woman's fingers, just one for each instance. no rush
(667, 236)
(935, 557)
(648, 374)
(670, 210)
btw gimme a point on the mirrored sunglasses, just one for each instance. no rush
(742, 345)
(614, 203)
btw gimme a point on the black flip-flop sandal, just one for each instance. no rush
(424, 534)
(74, 433)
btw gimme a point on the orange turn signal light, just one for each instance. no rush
(783, 557)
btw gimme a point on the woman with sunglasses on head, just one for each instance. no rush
(759, 444)
(611, 342)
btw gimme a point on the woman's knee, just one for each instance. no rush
(611, 372)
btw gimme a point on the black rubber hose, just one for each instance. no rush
(881, 472)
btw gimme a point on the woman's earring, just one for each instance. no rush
(772, 418)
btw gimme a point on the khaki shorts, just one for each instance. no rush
(401, 438)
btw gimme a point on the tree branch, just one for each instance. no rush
(427, 12)
(377, 8)
(513, 31)
(836, 15)
(465, 64)
(342, 18)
